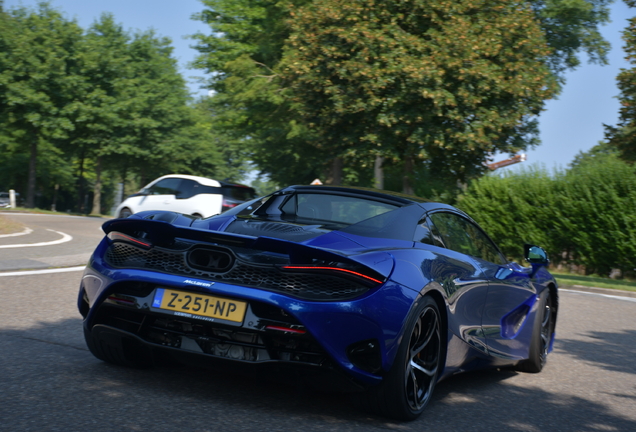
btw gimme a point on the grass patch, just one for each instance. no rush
(592, 281)
(50, 212)
(9, 226)
(34, 210)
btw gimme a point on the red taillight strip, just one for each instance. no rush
(335, 269)
(113, 235)
(121, 300)
(285, 329)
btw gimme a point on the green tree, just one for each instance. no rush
(420, 80)
(156, 108)
(571, 26)
(623, 135)
(599, 151)
(135, 112)
(94, 107)
(136, 117)
(99, 110)
(244, 51)
(131, 104)
(264, 186)
(249, 106)
(216, 152)
(38, 78)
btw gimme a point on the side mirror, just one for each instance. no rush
(535, 255)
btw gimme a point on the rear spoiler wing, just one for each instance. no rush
(162, 233)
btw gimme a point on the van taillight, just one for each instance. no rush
(228, 204)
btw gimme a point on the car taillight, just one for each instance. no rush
(118, 236)
(286, 329)
(367, 277)
(227, 204)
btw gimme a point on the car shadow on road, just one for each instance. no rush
(51, 383)
(614, 351)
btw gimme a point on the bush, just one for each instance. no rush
(585, 216)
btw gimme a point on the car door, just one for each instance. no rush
(460, 276)
(161, 195)
(510, 294)
(185, 197)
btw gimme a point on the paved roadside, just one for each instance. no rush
(49, 241)
(604, 291)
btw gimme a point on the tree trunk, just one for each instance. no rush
(55, 191)
(80, 185)
(32, 173)
(335, 176)
(97, 190)
(407, 185)
(378, 172)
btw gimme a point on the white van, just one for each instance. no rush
(193, 195)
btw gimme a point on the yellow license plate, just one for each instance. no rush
(199, 304)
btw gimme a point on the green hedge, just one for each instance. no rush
(585, 216)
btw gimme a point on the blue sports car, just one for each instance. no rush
(373, 291)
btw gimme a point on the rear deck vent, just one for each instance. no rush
(212, 260)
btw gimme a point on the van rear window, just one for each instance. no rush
(241, 193)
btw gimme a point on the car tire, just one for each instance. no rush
(125, 212)
(543, 329)
(122, 353)
(407, 388)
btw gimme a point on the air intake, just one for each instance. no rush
(211, 260)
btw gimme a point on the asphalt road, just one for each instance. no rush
(50, 382)
(51, 235)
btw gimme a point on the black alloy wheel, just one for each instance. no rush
(541, 335)
(547, 328)
(423, 359)
(408, 387)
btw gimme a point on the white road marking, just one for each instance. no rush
(630, 299)
(65, 238)
(53, 215)
(26, 231)
(34, 272)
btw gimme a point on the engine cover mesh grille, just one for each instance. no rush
(305, 286)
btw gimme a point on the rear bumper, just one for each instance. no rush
(331, 328)
(139, 351)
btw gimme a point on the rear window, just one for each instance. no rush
(334, 208)
(398, 224)
(240, 193)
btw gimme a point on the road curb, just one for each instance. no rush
(595, 290)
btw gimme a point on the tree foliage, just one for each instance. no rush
(250, 106)
(570, 27)
(309, 82)
(623, 135)
(38, 78)
(95, 107)
(420, 80)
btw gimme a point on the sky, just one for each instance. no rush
(570, 124)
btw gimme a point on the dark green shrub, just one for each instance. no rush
(585, 216)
